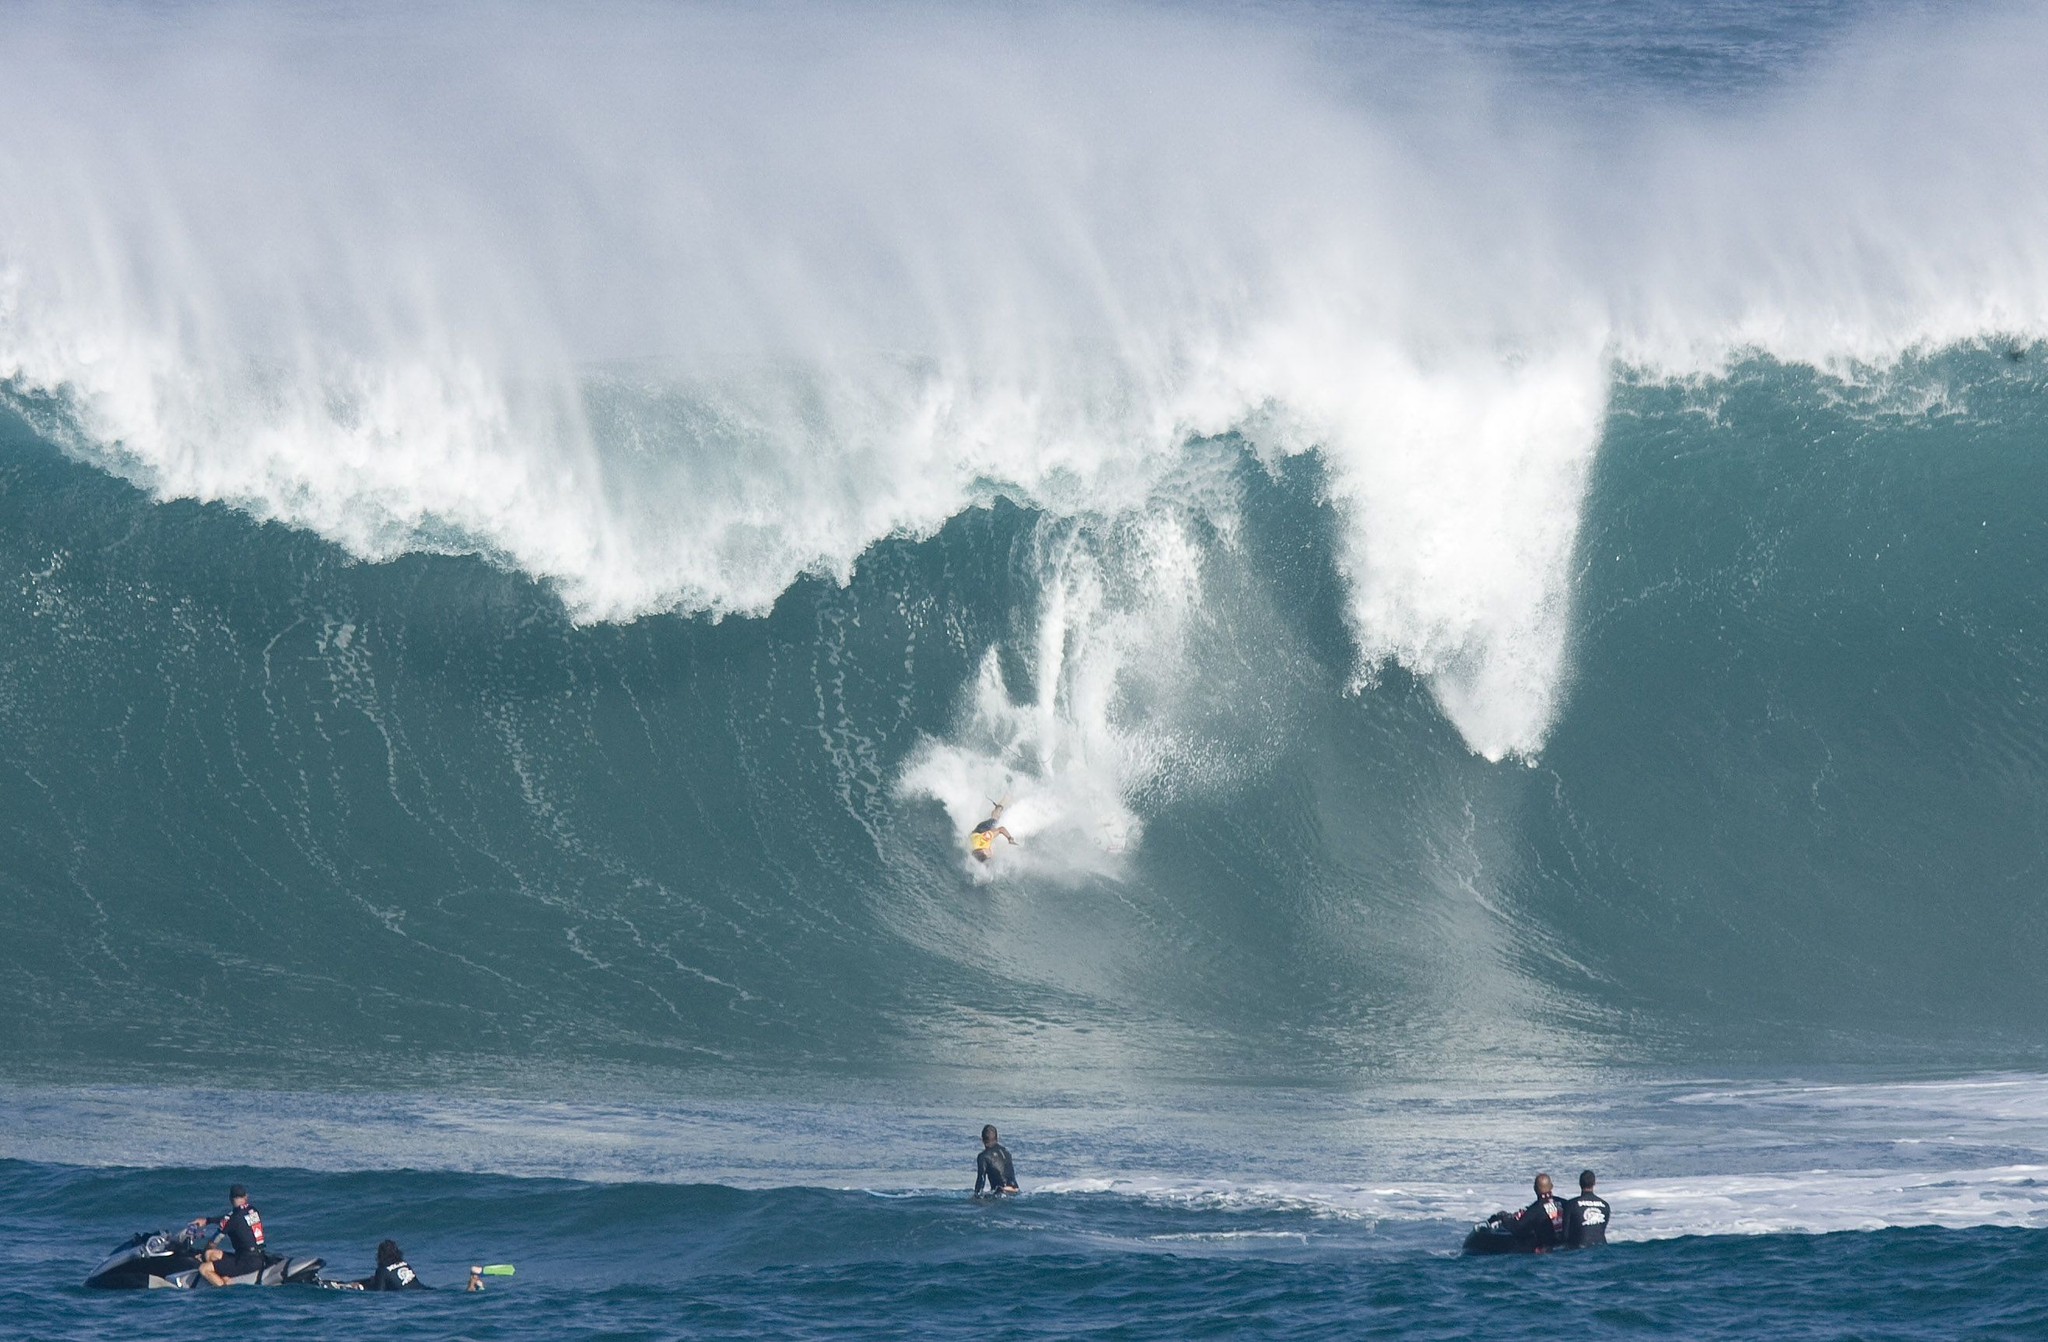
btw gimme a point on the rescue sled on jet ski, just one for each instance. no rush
(1496, 1234)
(169, 1260)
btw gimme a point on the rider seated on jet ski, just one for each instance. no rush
(393, 1272)
(1542, 1222)
(243, 1225)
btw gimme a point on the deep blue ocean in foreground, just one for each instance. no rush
(661, 1261)
(1746, 1209)
(1493, 558)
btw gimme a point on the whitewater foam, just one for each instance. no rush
(672, 307)
(1673, 1160)
(1110, 705)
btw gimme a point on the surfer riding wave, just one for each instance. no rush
(983, 837)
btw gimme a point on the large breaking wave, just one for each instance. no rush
(1420, 548)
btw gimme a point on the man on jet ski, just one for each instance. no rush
(243, 1225)
(1542, 1222)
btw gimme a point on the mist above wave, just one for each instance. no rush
(670, 306)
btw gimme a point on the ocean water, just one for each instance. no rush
(1494, 552)
(1813, 1210)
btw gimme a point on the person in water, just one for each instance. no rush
(1586, 1215)
(992, 1167)
(393, 1272)
(1542, 1222)
(243, 1226)
(983, 837)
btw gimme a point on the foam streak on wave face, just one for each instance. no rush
(1101, 721)
(670, 306)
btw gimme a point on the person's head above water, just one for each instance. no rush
(237, 1194)
(388, 1253)
(1586, 1180)
(988, 1134)
(1542, 1185)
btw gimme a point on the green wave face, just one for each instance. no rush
(310, 814)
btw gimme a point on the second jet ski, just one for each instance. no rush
(1496, 1234)
(169, 1260)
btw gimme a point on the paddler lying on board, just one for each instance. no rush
(983, 837)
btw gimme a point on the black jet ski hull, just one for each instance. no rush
(1490, 1237)
(158, 1261)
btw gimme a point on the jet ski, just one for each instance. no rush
(159, 1260)
(1496, 1234)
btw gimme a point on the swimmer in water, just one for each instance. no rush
(992, 1168)
(984, 836)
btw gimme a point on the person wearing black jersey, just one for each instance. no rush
(393, 1272)
(1542, 1222)
(1586, 1216)
(992, 1167)
(243, 1226)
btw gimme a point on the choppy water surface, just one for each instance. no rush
(1739, 1209)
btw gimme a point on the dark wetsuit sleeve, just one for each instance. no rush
(1009, 1171)
(984, 1171)
(229, 1227)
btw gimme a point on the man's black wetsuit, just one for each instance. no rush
(397, 1276)
(992, 1167)
(1585, 1218)
(1542, 1223)
(243, 1227)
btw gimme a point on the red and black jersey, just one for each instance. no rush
(1543, 1223)
(244, 1228)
